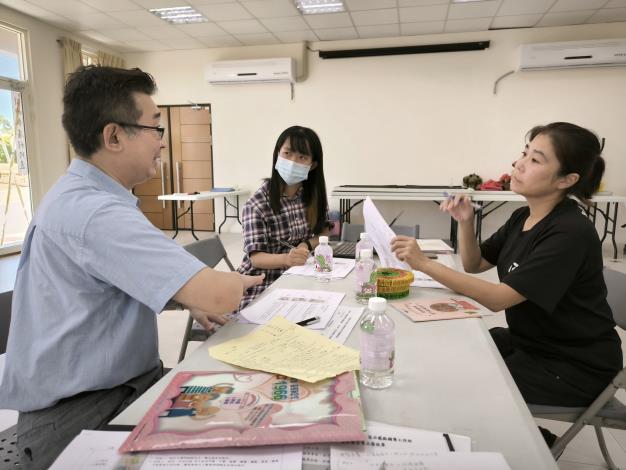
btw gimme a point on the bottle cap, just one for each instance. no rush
(364, 236)
(377, 304)
(366, 253)
(323, 240)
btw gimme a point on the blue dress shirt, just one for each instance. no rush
(92, 274)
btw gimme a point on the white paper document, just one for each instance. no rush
(341, 268)
(341, 324)
(295, 305)
(316, 457)
(424, 280)
(387, 443)
(381, 234)
(437, 461)
(97, 450)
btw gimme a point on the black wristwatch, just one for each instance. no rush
(308, 244)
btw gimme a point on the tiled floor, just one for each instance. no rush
(582, 453)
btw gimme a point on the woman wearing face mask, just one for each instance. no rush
(289, 207)
(560, 346)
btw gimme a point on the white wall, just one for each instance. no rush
(47, 144)
(411, 119)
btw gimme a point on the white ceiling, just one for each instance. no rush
(127, 26)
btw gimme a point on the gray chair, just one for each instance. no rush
(606, 410)
(352, 232)
(5, 318)
(210, 251)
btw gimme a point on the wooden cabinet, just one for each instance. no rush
(193, 162)
(187, 164)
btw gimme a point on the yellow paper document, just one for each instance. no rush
(282, 347)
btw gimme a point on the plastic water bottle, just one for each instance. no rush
(323, 260)
(365, 275)
(364, 243)
(377, 345)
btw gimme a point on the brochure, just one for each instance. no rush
(231, 408)
(445, 308)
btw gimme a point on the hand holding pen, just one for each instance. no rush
(297, 256)
(459, 206)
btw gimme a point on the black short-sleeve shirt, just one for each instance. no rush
(557, 266)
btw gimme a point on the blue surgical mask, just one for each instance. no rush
(291, 172)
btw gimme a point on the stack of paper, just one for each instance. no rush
(402, 448)
(434, 245)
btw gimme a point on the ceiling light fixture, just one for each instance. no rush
(313, 7)
(179, 15)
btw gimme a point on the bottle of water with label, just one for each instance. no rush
(377, 345)
(365, 275)
(323, 260)
(364, 243)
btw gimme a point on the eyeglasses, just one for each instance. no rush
(160, 130)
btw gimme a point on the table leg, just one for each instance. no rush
(175, 204)
(226, 216)
(614, 231)
(192, 232)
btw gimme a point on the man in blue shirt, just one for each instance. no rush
(93, 271)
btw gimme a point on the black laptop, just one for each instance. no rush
(344, 249)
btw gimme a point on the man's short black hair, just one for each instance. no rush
(96, 96)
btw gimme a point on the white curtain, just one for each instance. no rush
(72, 59)
(110, 60)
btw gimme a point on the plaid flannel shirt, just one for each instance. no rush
(262, 230)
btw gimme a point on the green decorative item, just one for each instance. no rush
(472, 181)
(393, 283)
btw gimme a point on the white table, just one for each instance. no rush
(490, 200)
(449, 378)
(204, 196)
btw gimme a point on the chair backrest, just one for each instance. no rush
(210, 251)
(352, 232)
(5, 319)
(616, 297)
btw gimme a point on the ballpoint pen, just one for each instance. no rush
(448, 441)
(290, 246)
(287, 245)
(308, 321)
(475, 205)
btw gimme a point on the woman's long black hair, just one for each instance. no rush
(305, 141)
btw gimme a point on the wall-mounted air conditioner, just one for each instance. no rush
(595, 53)
(251, 71)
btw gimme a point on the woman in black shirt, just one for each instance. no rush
(560, 346)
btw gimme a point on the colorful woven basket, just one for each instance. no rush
(393, 283)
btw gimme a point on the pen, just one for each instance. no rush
(308, 321)
(475, 205)
(288, 245)
(448, 441)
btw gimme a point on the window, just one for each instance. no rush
(15, 193)
(88, 56)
